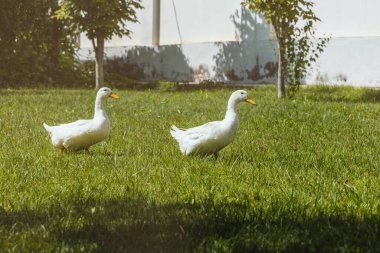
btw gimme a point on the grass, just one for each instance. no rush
(301, 176)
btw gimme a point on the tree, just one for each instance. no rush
(34, 49)
(99, 20)
(293, 22)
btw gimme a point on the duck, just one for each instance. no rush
(83, 133)
(210, 138)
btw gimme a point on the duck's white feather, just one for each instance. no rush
(82, 134)
(78, 135)
(205, 139)
(211, 137)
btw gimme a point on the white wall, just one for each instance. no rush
(233, 44)
(196, 21)
(354, 49)
(348, 18)
(141, 32)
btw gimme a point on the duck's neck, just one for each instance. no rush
(231, 114)
(99, 111)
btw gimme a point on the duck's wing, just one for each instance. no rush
(78, 126)
(78, 123)
(204, 131)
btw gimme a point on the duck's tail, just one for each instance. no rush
(178, 135)
(47, 127)
(175, 132)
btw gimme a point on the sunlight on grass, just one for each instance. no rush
(301, 175)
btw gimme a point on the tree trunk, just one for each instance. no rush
(281, 72)
(99, 57)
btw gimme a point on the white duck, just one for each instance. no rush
(211, 137)
(81, 134)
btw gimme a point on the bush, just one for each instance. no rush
(35, 49)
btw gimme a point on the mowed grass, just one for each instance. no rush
(301, 176)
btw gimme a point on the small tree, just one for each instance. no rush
(100, 20)
(293, 22)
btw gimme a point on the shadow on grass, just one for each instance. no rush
(341, 94)
(140, 225)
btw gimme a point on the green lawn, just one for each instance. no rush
(301, 176)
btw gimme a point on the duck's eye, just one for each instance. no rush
(242, 93)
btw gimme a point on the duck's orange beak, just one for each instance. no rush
(250, 101)
(114, 95)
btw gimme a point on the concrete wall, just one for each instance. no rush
(352, 55)
(217, 39)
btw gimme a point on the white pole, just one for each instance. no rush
(156, 22)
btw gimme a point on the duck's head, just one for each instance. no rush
(106, 92)
(242, 96)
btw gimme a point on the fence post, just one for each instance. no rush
(156, 22)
